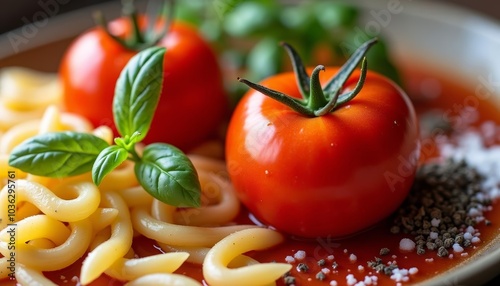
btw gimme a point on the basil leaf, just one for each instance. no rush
(107, 161)
(57, 154)
(137, 92)
(168, 175)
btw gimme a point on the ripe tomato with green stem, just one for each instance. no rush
(193, 101)
(329, 156)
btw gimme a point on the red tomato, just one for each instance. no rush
(193, 101)
(332, 175)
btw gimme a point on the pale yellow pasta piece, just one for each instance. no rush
(108, 252)
(130, 269)
(11, 117)
(83, 205)
(164, 280)
(27, 89)
(25, 209)
(6, 267)
(42, 243)
(17, 134)
(197, 255)
(58, 257)
(215, 266)
(105, 133)
(54, 120)
(29, 277)
(102, 218)
(73, 122)
(203, 163)
(5, 169)
(121, 178)
(135, 196)
(223, 211)
(38, 226)
(179, 235)
(51, 120)
(100, 237)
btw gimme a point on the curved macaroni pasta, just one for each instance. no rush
(130, 269)
(30, 277)
(60, 256)
(76, 209)
(215, 265)
(53, 223)
(180, 235)
(164, 280)
(104, 255)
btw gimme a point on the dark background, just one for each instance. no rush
(12, 14)
(17, 12)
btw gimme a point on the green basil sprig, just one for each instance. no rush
(163, 170)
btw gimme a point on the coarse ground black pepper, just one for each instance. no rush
(384, 251)
(320, 276)
(302, 267)
(381, 267)
(440, 206)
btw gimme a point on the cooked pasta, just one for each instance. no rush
(58, 222)
(215, 265)
(29, 277)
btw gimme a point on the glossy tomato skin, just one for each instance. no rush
(193, 101)
(329, 176)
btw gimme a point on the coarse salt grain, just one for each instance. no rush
(486, 160)
(350, 279)
(406, 244)
(361, 268)
(368, 280)
(333, 283)
(433, 235)
(289, 259)
(458, 248)
(464, 254)
(468, 235)
(330, 257)
(300, 255)
(429, 260)
(475, 239)
(473, 212)
(400, 275)
(470, 229)
(413, 270)
(353, 258)
(435, 222)
(325, 270)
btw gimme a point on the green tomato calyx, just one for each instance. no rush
(318, 100)
(140, 40)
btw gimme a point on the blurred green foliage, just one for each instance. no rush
(247, 33)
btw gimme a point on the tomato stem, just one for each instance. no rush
(140, 40)
(130, 12)
(317, 100)
(299, 70)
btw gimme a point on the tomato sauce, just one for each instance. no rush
(352, 254)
